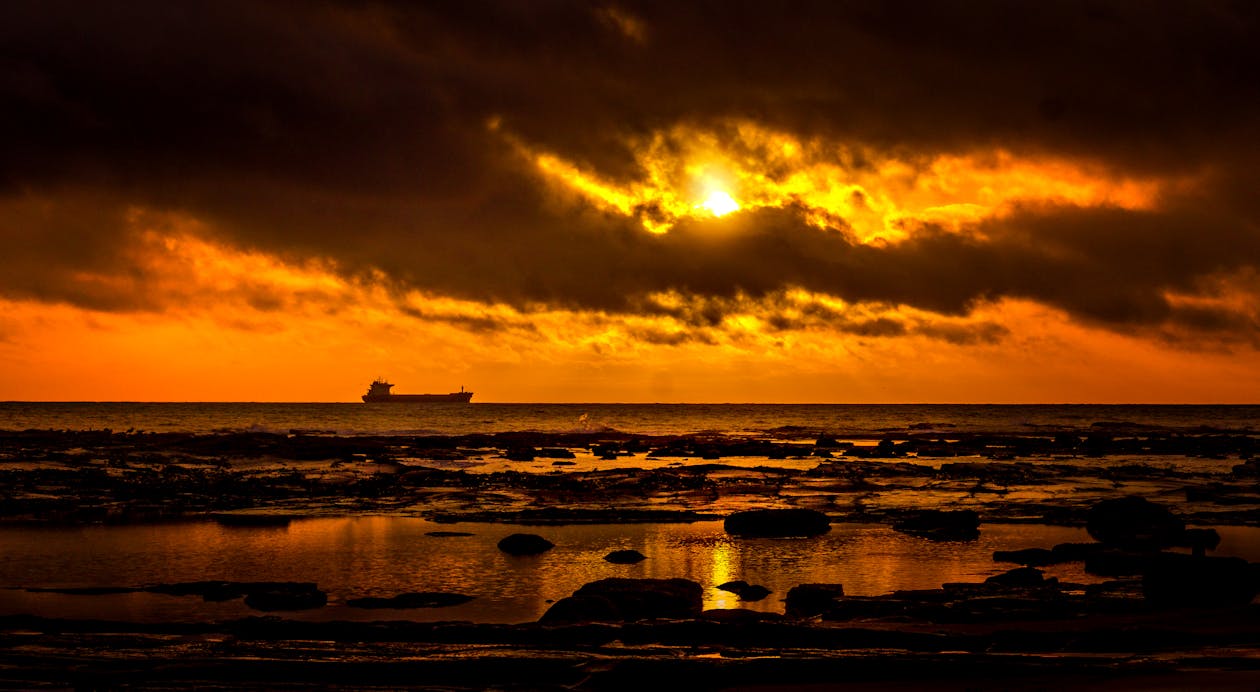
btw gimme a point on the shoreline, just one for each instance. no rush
(101, 477)
(988, 635)
(1178, 650)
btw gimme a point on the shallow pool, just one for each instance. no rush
(352, 557)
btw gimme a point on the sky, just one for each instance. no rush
(893, 201)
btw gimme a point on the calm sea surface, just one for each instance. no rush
(453, 419)
(356, 556)
(352, 557)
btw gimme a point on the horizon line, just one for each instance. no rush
(642, 403)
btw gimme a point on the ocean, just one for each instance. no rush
(777, 420)
(112, 512)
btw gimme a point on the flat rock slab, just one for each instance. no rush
(744, 590)
(525, 544)
(777, 523)
(625, 557)
(614, 599)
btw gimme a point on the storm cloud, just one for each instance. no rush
(383, 138)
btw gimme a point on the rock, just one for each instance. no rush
(1204, 582)
(525, 544)
(520, 454)
(808, 600)
(888, 606)
(628, 600)
(1031, 557)
(1118, 563)
(738, 616)
(1020, 576)
(777, 523)
(425, 599)
(302, 596)
(941, 525)
(1248, 469)
(1199, 540)
(573, 609)
(745, 591)
(625, 557)
(1075, 552)
(1133, 522)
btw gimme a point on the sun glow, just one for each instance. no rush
(720, 203)
(871, 195)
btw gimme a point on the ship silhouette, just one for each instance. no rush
(379, 392)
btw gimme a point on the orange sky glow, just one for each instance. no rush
(769, 240)
(228, 324)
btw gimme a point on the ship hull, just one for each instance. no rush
(452, 398)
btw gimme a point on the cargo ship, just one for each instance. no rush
(379, 392)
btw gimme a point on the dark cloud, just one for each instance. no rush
(359, 132)
(474, 323)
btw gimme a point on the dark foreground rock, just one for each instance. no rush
(525, 544)
(777, 523)
(1020, 576)
(625, 557)
(574, 609)
(941, 525)
(1199, 540)
(808, 600)
(1202, 582)
(1133, 522)
(612, 600)
(273, 653)
(422, 599)
(738, 616)
(300, 597)
(1114, 562)
(745, 591)
(1075, 552)
(1029, 557)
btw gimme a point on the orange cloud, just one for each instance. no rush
(877, 197)
(244, 325)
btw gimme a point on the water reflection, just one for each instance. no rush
(383, 556)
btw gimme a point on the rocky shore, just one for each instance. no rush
(1163, 615)
(538, 478)
(994, 635)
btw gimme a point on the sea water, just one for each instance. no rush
(782, 420)
(353, 557)
(381, 556)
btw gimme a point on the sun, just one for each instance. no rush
(720, 203)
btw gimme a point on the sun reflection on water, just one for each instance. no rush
(722, 570)
(384, 556)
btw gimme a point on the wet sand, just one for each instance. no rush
(977, 636)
